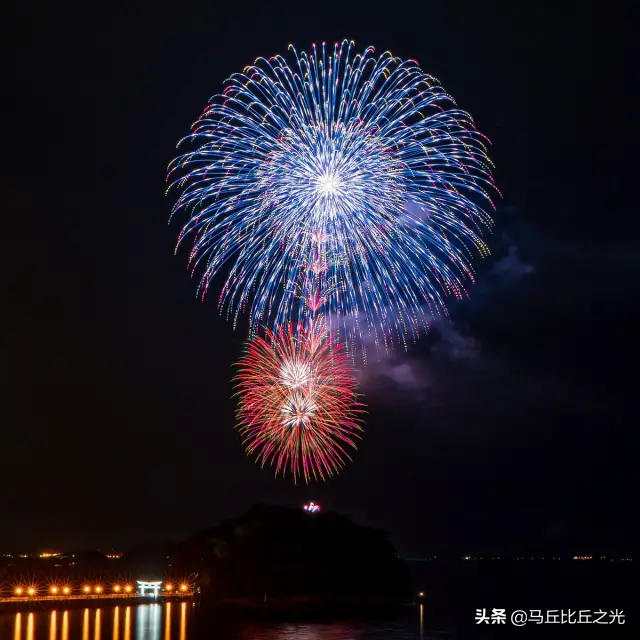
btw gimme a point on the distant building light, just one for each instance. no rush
(312, 507)
(153, 587)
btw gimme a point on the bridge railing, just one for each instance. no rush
(94, 596)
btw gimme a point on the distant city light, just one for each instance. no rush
(183, 587)
(19, 591)
(98, 589)
(31, 591)
(312, 507)
(66, 590)
(128, 588)
(116, 588)
(87, 589)
(168, 587)
(54, 589)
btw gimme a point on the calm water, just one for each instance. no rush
(453, 594)
(179, 621)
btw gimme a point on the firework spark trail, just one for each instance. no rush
(345, 195)
(338, 146)
(298, 406)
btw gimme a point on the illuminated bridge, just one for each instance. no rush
(141, 590)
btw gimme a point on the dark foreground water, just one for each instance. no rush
(182, 621)
(452, 595)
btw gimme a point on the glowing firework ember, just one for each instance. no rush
(298, 408)
(366, 156)
(295, 374)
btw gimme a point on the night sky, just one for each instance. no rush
(515, 424)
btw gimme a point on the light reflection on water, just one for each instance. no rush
(127, 623)
(141, 622)
(116, 623)
(173, 621)
(403, 629)
(65, 625)
(53, 625)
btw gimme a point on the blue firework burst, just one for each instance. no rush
(341, 179)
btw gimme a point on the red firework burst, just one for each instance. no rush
(298, 406)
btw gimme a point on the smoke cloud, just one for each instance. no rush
(449, 353)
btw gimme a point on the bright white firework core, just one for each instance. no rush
(328, 184)
(298, 410)
(295, 374)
